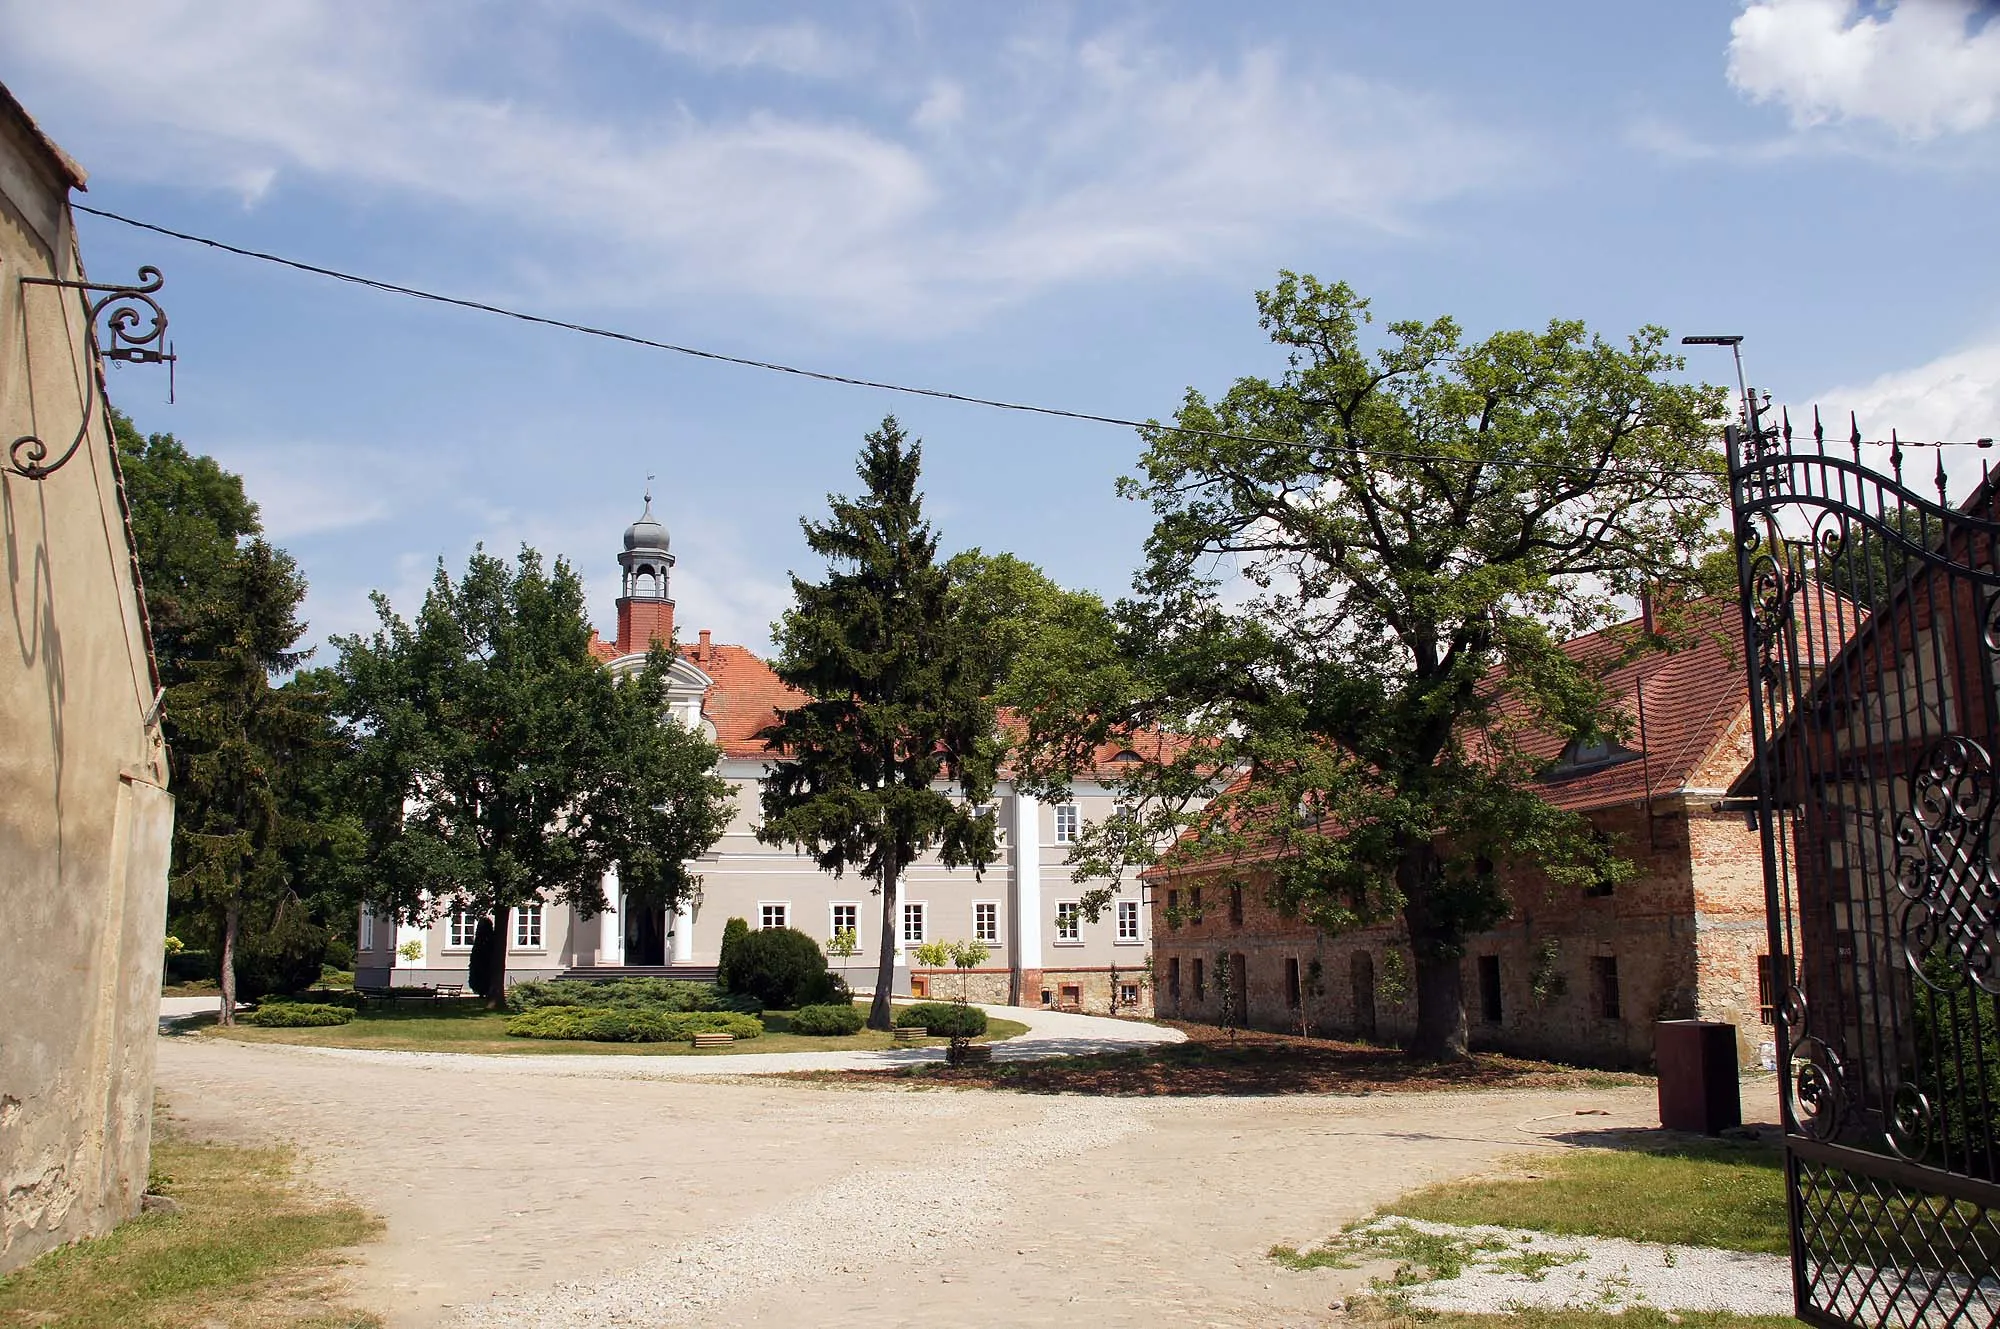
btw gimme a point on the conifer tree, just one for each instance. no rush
(900, 699)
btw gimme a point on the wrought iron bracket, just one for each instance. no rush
(135, 332)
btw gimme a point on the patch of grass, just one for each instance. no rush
(249, 1250)
(1370, 1314)
(1250, 1063)
(466, 1026)
(1698, 1194)
(1421, 1257)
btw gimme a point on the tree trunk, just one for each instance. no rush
(879, 1015)
(226, 977)
(496, 963)
(1440, 1032)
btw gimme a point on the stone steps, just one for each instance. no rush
(605, 973)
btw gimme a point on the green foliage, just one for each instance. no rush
(932, 955)
(843, 945)
(828, 1021)
(1546, 980)
(733, 933)
(1392, 977)
(1957, 1041)
(944, 1019)
(783, 968)
(900, 690)
(650, 994)
(190, 966)
(500, 764)
(1358, 582)
(297, 1015)
(604, 1025)
(284, 956)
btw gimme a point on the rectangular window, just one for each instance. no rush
(771, 917)
(913, 921)
(847, 918)
(1069, 921)
(528, 927)
(1236, 906)
(991, 811)
(1173, 909)
(1200, 981)
(1174, 980)
(1128, 920)
(1604, 975)
(1194, 905)
(367, 931)
(1068, 821)
(1128, 994)
(986, 922)
(463, 926)
(1768, 987)
(1293, 997)
(1489, 988)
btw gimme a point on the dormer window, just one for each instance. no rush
(1588, 754)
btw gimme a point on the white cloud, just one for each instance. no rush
(792, 48)
(1921, 67)
(1954, 398)
(1063, 162)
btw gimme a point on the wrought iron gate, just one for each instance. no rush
(1871, 618)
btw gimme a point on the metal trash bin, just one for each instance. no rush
(1696, 1060)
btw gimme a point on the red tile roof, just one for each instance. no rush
(746, 696)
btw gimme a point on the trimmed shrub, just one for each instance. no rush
(339, 952)
(828, 1021)
(663, 995)
(784, 969)
(346, 999)
(945, 1019)
(296, 1015)
(286, 957)
(601, 1025)
(733, 932)
(191, 966)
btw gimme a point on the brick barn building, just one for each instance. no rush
(1575, 974)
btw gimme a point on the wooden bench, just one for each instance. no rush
(907, 1034)
(448, 990)
(713, 1038)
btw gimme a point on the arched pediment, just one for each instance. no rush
(687, 687)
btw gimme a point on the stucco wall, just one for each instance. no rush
(85, 822)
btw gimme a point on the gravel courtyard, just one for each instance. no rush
(524, 1199)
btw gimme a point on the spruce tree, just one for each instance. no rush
(900, 699)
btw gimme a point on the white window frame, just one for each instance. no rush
(456, 920)
(833, 918)
(527, 922)
(1129, 910)
(764, 907)
(999, 822)
(977, 935)
(1073, 815)
(1069, 915)
(367, 930)
(922, 916)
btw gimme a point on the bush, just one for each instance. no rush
(946, 1019)
(783, 968)
(339, 952)
(283, 958)
(828, 1021)
(602, 1025)
(661, 995)
(345, 998)
(191, 966)
(296, 1015)
(733, 932)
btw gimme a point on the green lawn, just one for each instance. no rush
(1696, 1194)
(249, 1250)
(1529, 1317)
(463, 1026)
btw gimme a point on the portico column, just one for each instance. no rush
(611, 923)
(684, 930)
(1025, 908)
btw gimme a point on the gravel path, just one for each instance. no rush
(1595, 1273)
(510, 1193)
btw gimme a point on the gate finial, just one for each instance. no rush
(1940, 477)
(1819, 433)
(1854, 434)
(1896, 455)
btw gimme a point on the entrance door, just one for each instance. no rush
(1361, 975)
(645, 933)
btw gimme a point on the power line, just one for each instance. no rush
(769, 366)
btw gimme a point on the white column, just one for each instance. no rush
(406, 933)
(611, 923)
(684, 930)
(1026, 904)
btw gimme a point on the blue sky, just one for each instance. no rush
(1069, 204)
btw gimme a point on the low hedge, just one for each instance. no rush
(945, 1019)
(599, 1025)
(296, 1015)
(828, 1021)
(659, 995)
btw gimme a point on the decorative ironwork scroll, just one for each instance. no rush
(134, 332)
(1871, 616)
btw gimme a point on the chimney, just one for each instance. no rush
(1646, 609)
(703, 651)
(642, 622)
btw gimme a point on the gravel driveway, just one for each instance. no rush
(520, 1195)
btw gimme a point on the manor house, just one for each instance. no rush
(1025, 906)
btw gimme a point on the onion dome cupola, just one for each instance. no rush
(647, 558)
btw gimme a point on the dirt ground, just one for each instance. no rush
(542, 1191)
